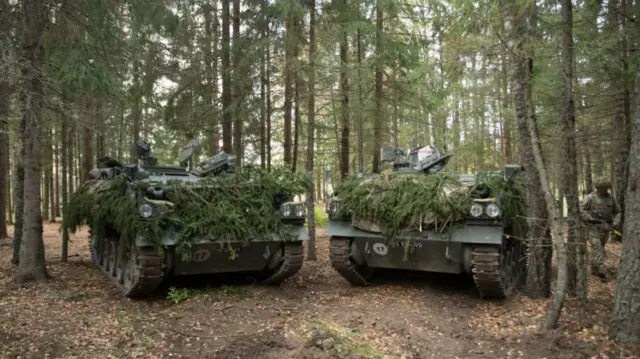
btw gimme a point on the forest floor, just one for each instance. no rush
(315, 314)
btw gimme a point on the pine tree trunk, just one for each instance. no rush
(4, 142)
(296, 100)
(268, 89)
(538, 278)
(625, 315)
(575, 241)
(64, 164)
(226, 81)
(70, 153)
(238, 93)
(32, 257)
(288, 85)
(209, 95)
(377, 142)
(49, 176)
(18, 193)
(215, 135)
(311, 244)
(56, 174)
(360, 105)
(136, 112)
(45, 178)
(621, 165)
(263, 82)
(344, 95)
(87, 158)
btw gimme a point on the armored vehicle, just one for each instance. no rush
(151, 260)
(480, 242)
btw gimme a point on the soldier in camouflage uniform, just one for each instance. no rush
(601, 212)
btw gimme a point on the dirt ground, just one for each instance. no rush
(315, 314)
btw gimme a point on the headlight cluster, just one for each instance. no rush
(292, 209)
(150, 208)
(492, 210)
(333, 206)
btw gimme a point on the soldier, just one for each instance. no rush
(601, 212)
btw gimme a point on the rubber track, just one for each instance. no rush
(148, 269)
(486, 271)
(339, 255)
(293, 258)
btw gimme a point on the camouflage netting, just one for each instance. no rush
(393, 204)
(229, 209)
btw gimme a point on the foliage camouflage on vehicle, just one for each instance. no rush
(401, 203)
(233, 208)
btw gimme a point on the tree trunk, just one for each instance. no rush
(377, 142)
(4, 138)
(226, 81)
(18, 194)
(296, 100)
(311, 244)
(360, 105)
(344, 94)
(621, 165)
(87, 158)
(45, 178)
(506, 121)
(56, 174)
(64, 163)
(5, 202)
(210, 29)
(32, 257)
(52, 194)
(288, 84)
(625, 316)
(570, 165)
(263, 80)
(538, 278)
(238, 93)
(268, 89)
(136, 114)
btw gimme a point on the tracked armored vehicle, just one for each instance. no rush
(479, 242)
(149, 261)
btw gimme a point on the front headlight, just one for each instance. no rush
(292, 209)
(493, 210)
(286, 210)
(145, 210)
(334, 206)
(476, 210)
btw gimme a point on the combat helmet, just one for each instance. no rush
(602, 182)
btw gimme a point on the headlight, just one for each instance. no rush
(333, 207)
(476, 210)
(300, 210)
(145, 210)
(493, 210)
(286, 210)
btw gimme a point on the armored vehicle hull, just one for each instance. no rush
(485, 252)
(150, 222)
(145, 267)
(462, 229)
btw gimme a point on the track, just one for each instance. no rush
(293, 258)
(339, 256)
(497, 273)
(138, 276)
